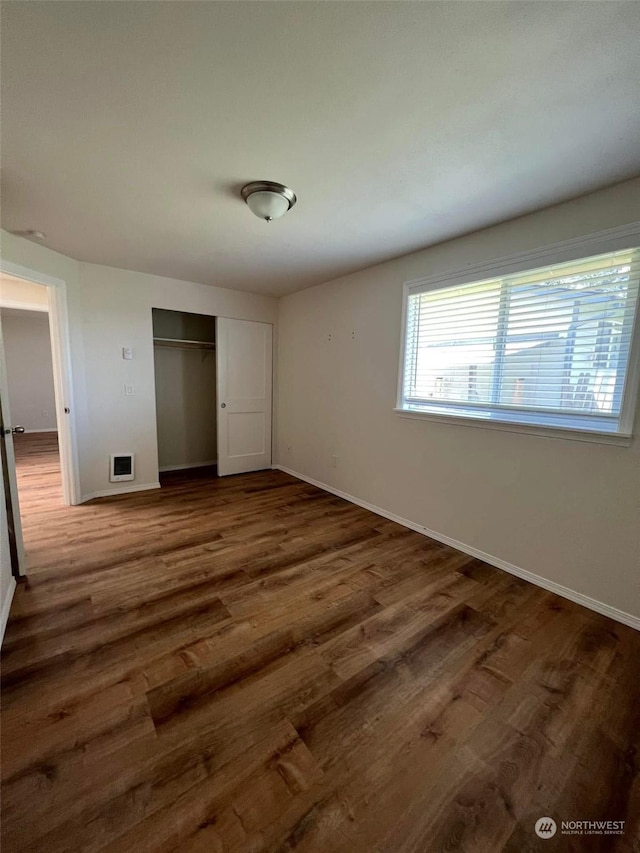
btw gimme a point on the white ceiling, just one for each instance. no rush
(128, 128)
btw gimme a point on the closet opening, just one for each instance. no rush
(185, 376)
(213, 380)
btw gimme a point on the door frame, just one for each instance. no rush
(62, 375)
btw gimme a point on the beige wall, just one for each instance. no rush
(109, 309)
(564, 510)
(27, 350)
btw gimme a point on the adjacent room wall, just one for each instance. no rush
(110, 309)
(27, 350)
(564, 510)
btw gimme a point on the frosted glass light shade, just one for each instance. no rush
(267, 199)
(268, 205)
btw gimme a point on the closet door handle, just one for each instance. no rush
(223, 405)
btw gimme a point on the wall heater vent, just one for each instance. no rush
(121, 467)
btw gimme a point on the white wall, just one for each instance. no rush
(27, 351)
(109, 309)
(116, 313)
(565, 510)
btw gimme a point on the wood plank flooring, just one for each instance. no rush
(38, 471)
(252, 664)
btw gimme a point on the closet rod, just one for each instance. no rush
(176, 342)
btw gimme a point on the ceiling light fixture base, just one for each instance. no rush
(30, 234)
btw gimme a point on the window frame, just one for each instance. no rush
(611, 240)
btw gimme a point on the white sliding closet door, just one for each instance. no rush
(244, 366)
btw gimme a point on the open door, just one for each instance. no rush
(7, 581)
(244, 379)
(12, 562)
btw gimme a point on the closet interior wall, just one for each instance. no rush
(185, 375)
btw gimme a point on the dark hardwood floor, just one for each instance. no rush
(253, 664)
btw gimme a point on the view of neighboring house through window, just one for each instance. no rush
(549, 347)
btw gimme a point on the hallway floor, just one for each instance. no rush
(38, 471)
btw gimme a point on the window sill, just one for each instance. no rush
(618, 439)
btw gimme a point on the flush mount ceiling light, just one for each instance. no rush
(268, 200)
(31, 235)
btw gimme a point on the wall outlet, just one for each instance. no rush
(334, 461)
(128, 390)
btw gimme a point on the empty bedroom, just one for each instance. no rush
(319, 426)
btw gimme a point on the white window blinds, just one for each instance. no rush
(550, 346)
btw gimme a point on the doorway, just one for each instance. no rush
(29, 373)
(39, 465)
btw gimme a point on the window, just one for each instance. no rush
(549, 347)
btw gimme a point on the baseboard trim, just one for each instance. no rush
(168, 468)
(6, 607)
(122, 490)
(577, 597)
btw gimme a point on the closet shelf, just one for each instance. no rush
(176, 342)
